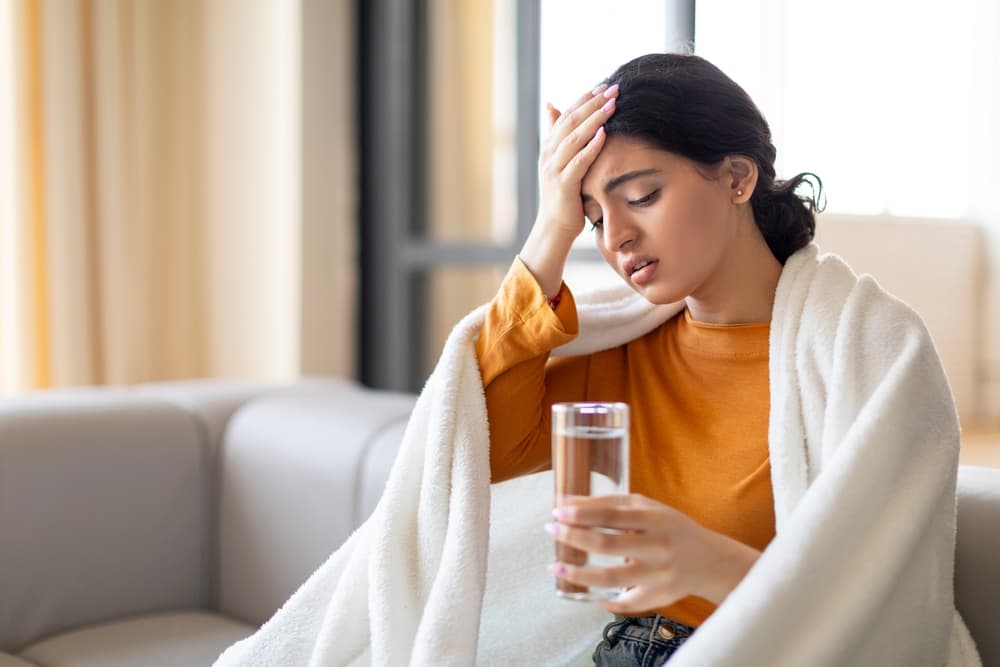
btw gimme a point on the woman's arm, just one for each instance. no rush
(521, 327)
(520, 385)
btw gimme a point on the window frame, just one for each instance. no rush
(395, 253)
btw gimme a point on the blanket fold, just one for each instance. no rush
(863, 440)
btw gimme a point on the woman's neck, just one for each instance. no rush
(741, 290)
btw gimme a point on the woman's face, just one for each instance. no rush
(659, 222)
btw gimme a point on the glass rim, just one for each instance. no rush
(590, 407)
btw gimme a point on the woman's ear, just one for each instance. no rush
(740, 173)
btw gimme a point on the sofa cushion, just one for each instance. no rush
(291, 465)
(181, 639)
(104, 511)
(8, 660)
(977, 567)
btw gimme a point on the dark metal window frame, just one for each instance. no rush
(395, 254)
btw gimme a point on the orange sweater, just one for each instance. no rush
(699, 402)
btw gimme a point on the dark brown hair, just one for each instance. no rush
(686, 105)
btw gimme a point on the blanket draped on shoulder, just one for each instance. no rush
(863, 439)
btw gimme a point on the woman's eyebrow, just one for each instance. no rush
(618, 181)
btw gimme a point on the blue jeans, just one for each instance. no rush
(648, 641)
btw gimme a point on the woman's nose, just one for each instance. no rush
(618, 233)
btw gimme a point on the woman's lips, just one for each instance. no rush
(645, 274)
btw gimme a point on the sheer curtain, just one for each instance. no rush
(152, 219)
(895, 104)
(470, 146)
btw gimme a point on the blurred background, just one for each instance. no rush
(276, 188)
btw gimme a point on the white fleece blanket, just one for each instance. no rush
(863, 444)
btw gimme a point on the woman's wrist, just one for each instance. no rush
(545, 254)
(735, 560)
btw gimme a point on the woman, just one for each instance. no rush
(672, 164)
(794, 441)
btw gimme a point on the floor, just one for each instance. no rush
(980, 447)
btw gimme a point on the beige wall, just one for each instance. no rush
(939, 267)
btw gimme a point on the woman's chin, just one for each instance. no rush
(658, 295)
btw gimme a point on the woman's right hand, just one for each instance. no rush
(575, 139)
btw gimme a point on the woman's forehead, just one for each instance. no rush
(622, 155)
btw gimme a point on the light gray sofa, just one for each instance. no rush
(154, 526)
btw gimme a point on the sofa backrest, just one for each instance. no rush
(298, 471)
(104, 498)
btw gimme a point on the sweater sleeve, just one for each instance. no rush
(520, 330)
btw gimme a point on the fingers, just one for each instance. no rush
(645, 589)
(579, 129)
(621, 512)
(639, 599)
(603, 577)
(578, 165)
(587, 97)
(634, 545)
(588, 105)
(570, 119)
(553, 114)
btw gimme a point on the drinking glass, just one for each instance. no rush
(589, 459)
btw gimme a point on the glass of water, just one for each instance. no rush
(589, 458)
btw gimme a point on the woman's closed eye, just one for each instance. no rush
(647, 200)
(596, 223)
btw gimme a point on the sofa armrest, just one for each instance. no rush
(107, 502)
(102, 510)
(977, 557)
(299, 471)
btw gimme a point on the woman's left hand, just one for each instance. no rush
(668, 555)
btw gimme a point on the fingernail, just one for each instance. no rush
(558, 569)
(600, 89)
(552, 529)
(609, 105)
(612, 91)
(560, 513)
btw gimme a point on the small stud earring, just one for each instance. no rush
(739, 193)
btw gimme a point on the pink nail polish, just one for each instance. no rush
(600, 89)
(557, 569)
(612, 91)
(551, 529)
(560, 513)
(609, 105)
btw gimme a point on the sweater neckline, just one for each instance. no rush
(735, 340)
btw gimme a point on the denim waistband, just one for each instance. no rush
(656, 629)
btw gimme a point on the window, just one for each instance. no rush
(451, 103)
(894, 104)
